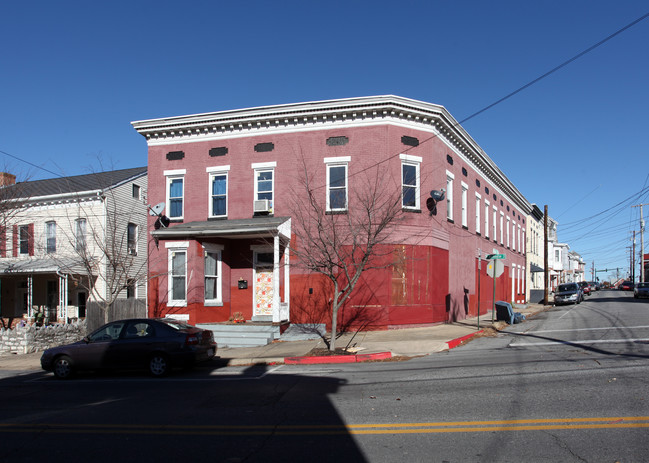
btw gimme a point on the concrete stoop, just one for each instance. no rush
(242, 335)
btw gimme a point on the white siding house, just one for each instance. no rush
(61, 240)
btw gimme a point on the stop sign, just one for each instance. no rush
(496, 265)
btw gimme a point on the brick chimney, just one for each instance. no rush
(7, 179)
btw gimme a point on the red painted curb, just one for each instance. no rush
(336, 359)
(456, 342)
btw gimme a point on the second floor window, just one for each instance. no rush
(410, 181)
(80, 235)
(176, 194)
(23, 237)
(131, 239)
(449, 195)
(337, 183)
(50, 237)
(219, 195)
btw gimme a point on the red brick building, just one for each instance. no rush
(227, 180)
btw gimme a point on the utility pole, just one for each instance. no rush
(546, 272)
(642, 275)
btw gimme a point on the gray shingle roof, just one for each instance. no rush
(76, 184)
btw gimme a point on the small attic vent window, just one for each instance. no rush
(264, 147)
(337, 141)
(449, 159)
(409, 141)
(175, 155)
(464, 172)
(220, 151)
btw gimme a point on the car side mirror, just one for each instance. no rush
(86, 339)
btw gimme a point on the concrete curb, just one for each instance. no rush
(337, 359)
(456, 342)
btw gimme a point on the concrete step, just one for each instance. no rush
(242, 335)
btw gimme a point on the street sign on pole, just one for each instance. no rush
(495, 256)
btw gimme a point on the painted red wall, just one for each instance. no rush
(439, 278)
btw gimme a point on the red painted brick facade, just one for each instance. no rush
(437, 277)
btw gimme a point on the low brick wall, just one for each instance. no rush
(31, 338)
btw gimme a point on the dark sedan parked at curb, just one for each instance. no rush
(641, 290)
(568, 293)
(156, 345)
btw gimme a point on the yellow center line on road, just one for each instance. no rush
(357, 429)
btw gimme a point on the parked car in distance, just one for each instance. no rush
(594, 286)
(568, 293)
(585, 287)
(626, 286)
(156, 345)
(641, 290)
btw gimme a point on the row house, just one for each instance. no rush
(68, 241)
(535, 256)
(226, 183)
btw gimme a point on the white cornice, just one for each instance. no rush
(323, 115)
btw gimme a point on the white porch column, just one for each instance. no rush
(30, 299)
(287, 279)
(276, 298)
(63, 298)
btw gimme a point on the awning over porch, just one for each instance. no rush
(535, 268)
(42, 265)
(256, 227)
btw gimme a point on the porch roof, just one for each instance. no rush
(535, 268)
(42, 265)
(256, 227)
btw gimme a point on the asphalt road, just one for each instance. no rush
(567, 385)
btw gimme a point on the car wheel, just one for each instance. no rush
(159, 365)
(63, 367)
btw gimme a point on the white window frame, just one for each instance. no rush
(415, 161)
(494, 225)
(502, 228)
(170, 176)
(478, 207)
(450, 178)
(215, 172)
(172, 249)
(258, 168)
(80, 235)
(513, 236)
(342, 161)
(132, 251)
(210, 248)
(21, 240)
(486, 218)
(508, 224)
(50, 232)
(465, 205)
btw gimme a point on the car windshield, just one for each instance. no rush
(643, 285)
(567, 287)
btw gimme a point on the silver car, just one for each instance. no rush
(568, 293)
(641, 290)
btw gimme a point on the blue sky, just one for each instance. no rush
(73, 75)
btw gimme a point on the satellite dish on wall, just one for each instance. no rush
(431, 203)
(157, 209)
(437, 195)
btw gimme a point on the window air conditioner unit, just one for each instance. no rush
(262, 205)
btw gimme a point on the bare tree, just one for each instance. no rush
(341, 246)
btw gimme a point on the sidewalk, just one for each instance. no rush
(367, 345)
